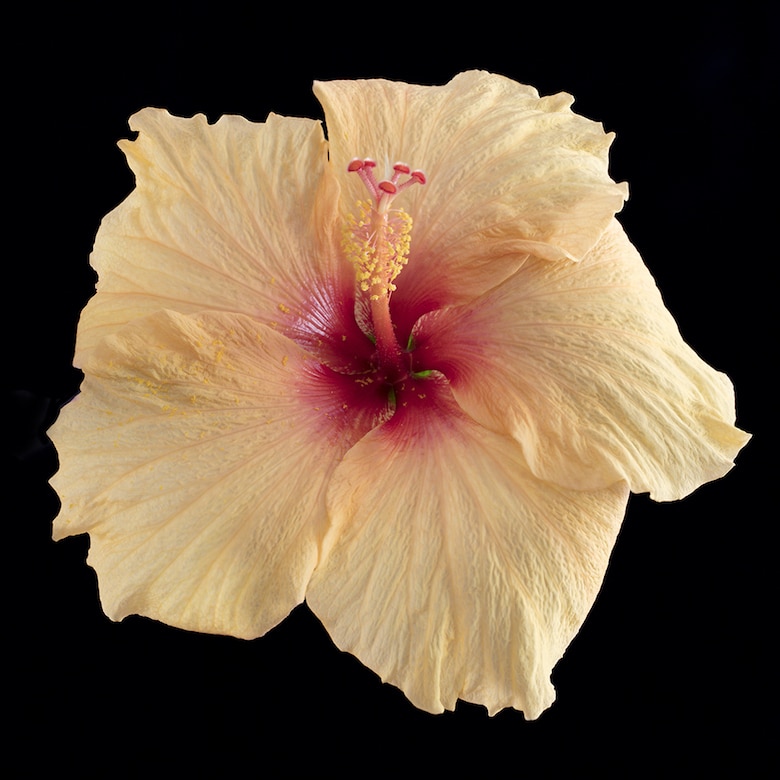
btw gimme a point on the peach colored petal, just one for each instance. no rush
(196, 457)
(450, 570)
(586, 369)
(508, 173)
(234, 216)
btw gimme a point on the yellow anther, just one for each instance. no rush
(377, 244)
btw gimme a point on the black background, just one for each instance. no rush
(674, 672)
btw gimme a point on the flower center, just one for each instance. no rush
(377, 242)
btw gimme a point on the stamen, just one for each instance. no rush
(377, 242)
(378, 246)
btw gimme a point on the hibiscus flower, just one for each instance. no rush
(415, 394)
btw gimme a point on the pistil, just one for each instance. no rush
(377, 242)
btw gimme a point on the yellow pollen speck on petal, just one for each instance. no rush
(284, 309)
(285, 360)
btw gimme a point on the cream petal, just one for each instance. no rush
(450, 570)
(586, 369)
(234, 216)
(196, 457)
(508, 173)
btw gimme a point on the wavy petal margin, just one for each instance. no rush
(509, 173)
(585, 367)
(197, 456)
(223, 472)
(452, 571)
(235, 216)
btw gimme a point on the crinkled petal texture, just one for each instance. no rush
(452, 571)
(224, 469)
(197, 457)
(508, 173)
(586, 369)
(235, 216)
